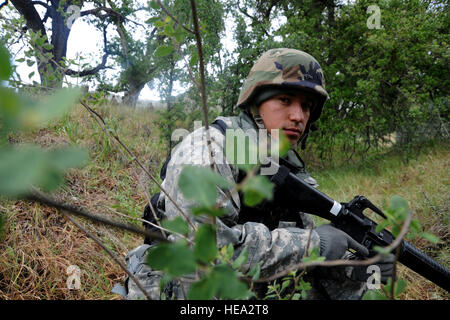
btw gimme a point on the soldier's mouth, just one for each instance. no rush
(292, 132)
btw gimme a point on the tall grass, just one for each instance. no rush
(39, 244)
(423, 181)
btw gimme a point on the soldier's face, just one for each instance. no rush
(288, 112)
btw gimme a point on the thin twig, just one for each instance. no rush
(112, 255)
(341, 262)
(172, 17)
(202, 79)
(38, 196)
(99, 118)
(309, 240)
(150, 223)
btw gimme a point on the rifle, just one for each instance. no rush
(349, 217)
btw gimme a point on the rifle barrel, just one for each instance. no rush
(313, 201)
(419, 262)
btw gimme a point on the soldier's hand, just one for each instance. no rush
(385, 265)
(334, 243)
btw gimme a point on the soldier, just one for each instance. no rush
(285, 90)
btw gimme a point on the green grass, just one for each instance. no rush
(424, 182)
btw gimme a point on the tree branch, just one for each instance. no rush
(40, 197)
(172, 17)
(116, 139)
(111, 254)
(102, 65)
(97, 12)
(3, 4)
(30, 14)
(41, 4)
(340, 262)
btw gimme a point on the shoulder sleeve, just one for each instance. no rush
(278, 249)
(193, 150)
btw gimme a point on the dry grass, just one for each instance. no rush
(423, 182)
(39, 243)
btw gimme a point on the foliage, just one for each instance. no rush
(24, 166)
(397, 214)
(371, 76)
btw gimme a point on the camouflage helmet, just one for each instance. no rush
(285, 69)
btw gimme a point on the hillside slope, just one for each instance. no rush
(39, 244)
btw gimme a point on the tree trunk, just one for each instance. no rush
(132, 94)
(49, 60)
(169, 100)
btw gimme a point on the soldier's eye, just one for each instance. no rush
(285, 100)
(308, 105)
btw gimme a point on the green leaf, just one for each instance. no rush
(256, 189)
(159, 24)
(168, 30)
(382, 225)
(212, 212)
(180, 35)
(226, 252)
(163, 51)
(221, 281)
(67, 157)
(374, 295)
(175, 259)
(19, 169)
(205, 248)
(285, 284)
(203, 289)
(152, 20)
(177, 225)
(313, 256)
(284, 144)
(199, 184)
(430, 237)
(381, 250)
(154, 5)
(399, 287)
(194, 60)
(33, 115)
(399, 206)
(255, 271)
(243, 257)
(47, 46)
(228, 284)
(415, 226)
(5, 64)
(296, 296)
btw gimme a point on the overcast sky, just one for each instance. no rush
(87, 41)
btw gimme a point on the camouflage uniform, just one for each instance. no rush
(272, 234)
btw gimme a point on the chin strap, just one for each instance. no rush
(309, 127)
(304, 137)
(254, 113)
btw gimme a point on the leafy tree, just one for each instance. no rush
(49, 41)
